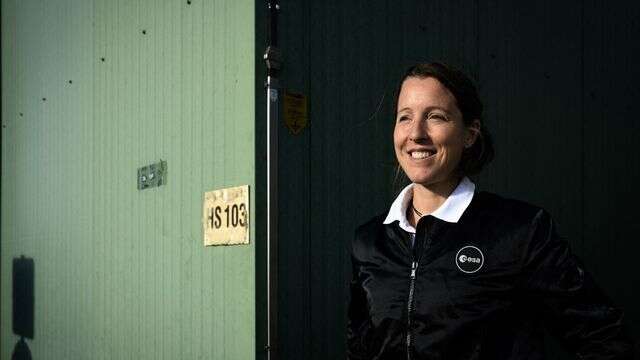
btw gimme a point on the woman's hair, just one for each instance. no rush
(481, 152)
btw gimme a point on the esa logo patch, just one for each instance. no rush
(469, 259)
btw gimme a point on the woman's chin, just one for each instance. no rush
(422, 179)
(427, 180)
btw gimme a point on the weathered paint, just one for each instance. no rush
(122, 273)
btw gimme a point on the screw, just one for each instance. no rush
(102, 59)
(44, 99)
(70, 82)
(144, 32)
(188, 2)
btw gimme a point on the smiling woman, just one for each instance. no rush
(429, 134)
(451, 273)
(439, 136)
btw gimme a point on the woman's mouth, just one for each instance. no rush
(419, 155)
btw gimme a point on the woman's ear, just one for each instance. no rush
(473, 131)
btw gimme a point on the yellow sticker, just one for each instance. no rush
(295, 112)
(226, 216)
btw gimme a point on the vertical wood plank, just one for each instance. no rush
(122, 273)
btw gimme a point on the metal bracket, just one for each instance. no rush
(152, 175)
(273, 57)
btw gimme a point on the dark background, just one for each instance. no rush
(559, 82)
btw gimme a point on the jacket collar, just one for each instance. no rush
(450, 211)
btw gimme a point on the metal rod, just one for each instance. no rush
(273, 61)
(272, 216)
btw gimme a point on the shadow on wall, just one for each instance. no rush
(23, 301)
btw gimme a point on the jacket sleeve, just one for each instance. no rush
(358, 322)
(572, 305)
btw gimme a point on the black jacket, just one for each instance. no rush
(481, 288)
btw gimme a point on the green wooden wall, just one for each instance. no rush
(92, 90)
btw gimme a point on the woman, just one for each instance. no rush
(450, 273)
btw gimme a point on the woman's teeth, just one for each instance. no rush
(421, 154)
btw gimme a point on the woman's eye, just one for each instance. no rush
(403, 118)
(439, 117)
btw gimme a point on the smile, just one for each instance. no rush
(420, 155)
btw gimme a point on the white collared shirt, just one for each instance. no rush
(451, 210)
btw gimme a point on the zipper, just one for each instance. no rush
(416, 255)
(412, 285)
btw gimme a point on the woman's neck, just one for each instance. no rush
(428, 198)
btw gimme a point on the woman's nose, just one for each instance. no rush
(418, 130)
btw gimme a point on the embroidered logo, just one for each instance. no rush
(469, 259)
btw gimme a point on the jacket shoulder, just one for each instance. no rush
(370, 226)
(491, 206)
(514, 224)
(368, 230)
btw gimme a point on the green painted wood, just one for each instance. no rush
(122, 273)
(260, 195)
(293, 253)
(611, 170)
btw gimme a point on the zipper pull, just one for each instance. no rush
(414, 267)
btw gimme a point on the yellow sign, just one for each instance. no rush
(226, 216)
(295, 112)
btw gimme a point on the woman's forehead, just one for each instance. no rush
(425, 92)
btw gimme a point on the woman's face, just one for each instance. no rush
(429, 134)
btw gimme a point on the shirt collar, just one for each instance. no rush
(451, 210)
